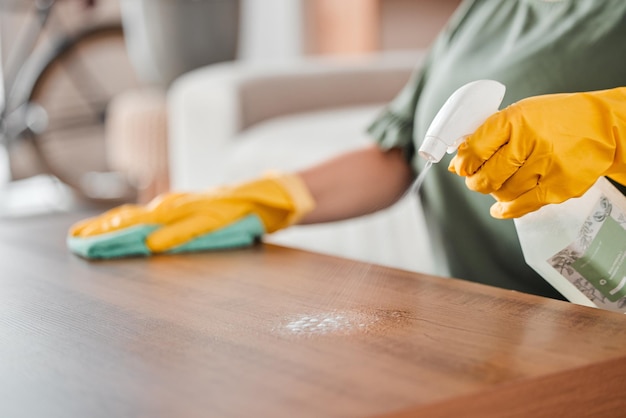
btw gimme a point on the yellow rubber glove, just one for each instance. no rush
(278, 200)
(546, 149)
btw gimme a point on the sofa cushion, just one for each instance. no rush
(297, 141)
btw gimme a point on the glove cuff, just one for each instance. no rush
(301, 197)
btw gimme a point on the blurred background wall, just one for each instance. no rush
(166, 38)
(284, 29)
(268, 29)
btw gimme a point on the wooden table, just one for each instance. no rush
(275, 332)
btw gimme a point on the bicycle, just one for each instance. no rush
(53, 102)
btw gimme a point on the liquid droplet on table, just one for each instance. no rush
(343, 322)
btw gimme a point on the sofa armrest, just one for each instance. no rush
(208, 107)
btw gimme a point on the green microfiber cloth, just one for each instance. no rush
(131, 241)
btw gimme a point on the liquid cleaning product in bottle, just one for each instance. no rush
(578, 246)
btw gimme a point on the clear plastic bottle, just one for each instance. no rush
(579, 246)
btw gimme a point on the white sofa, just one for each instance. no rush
(233, 121)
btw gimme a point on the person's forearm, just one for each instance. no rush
(356, 183)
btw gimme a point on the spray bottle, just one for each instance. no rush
(464, 111)
(578, 246)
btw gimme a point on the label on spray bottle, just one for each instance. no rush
(596, 261)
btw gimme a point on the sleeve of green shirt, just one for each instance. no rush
(394, 126)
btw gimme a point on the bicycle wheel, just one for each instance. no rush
(71, 93)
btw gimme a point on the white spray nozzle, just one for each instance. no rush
(464, 111)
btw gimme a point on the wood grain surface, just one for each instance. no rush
(276, 332)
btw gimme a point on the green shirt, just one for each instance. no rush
(531, 46)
